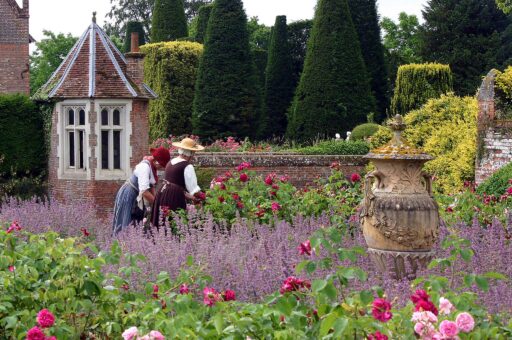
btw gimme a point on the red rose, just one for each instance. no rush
(229, 295)
(381, 310)
(244, 177)
(35, 334)
(305, 248)
(355, 177)
(221, 199)
(45, 318)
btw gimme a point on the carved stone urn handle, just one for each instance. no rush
(428, 183)
(368, 193)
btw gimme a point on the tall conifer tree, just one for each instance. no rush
(202, 22)
(466, 35)
(334, 90)
(169, 21)
(366, 21)
(279, 88)
(226, 101)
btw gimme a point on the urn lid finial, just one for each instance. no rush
(397, 125)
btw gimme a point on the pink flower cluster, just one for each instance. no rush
(15, 226)
(425, 320)
(211, 296)
(132, 333)
(229, 145)
(422, 302)
(292, 284)
(381, 310)
(45, 319)
(377, 336)
(243, 166)
(305, 248)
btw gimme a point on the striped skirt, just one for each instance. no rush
(125, 199)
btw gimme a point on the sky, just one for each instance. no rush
(73, 16)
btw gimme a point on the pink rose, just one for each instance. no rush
(305, 248)
(45, 318)
(276, 206)
(156, 335)
(269, 179)
(292, 284)
(130, 334)
(35, 334)
(229, 295)
(183, 289)
(355, 177)
(445, 306)
(12, 268)
(425, 317)
(244, 177)
(243, 166)
(377, 336)
(509, 191)
(210, 296)
(448, 328)
(424, 329)
(284, 178)
(381, 310)
(275, 186)
(465, 322)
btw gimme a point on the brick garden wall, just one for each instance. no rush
(14, 51)
(494, 141)
(302, 169)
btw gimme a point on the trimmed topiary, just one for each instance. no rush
(364, 131)
(336, 147)
(227, 100)
(279, 85)
(133, 26)
(498, 183)
(202, 22)
(170, 69)
(334, 90)
(169, 21)
(417, 83)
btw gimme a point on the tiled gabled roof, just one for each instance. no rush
(94, 68)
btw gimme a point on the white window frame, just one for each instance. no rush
(66, 171)
(125, 128)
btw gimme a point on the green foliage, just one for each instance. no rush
(503, 93)
(417, 83)
(204, 176)
(278, 82)
(505, 5)
(49, 54)
(227, 101)
(498, 183)
(170, 69)
(202, 23)
(169, 22)
(334, 90)
(335, 147)
(259, 34)
(22, 143)
(298, 36)
(366, 22)
(133, 26)
(363, 131)
(465, 35)
(402, 41)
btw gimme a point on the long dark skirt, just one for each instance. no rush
(169, 196)
(125, 199)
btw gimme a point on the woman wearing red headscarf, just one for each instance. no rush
(138, 192)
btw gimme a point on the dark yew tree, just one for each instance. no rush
(133, 26)
(227, 100)
(169, 22)
(202, 23)
(298, 36)
(366, 22)
(466, 35)
(334, 92)
(279, 85)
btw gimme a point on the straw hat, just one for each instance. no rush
(188, 144)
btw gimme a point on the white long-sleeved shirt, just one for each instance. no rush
(144, 175)
(190, 176)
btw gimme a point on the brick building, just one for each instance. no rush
(100, 119)
(14, 42)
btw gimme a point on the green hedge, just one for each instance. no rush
(417, 83)
(363, 131)
(22, 143)
(334, 147)
(170, 69)
(497, 183)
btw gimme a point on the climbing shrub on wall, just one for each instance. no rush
(503, 93)
(446, 129)
(417, 83)
(170, 69)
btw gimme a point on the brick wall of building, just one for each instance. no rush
(14, 50)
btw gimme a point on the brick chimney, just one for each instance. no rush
(135, 61)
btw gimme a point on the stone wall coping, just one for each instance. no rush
(266, 159)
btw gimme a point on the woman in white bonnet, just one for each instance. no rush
(180, 182)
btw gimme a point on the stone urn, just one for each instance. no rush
(399, 217)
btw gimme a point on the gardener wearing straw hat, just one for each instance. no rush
(180, 182)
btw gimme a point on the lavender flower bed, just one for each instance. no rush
(254, 259)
